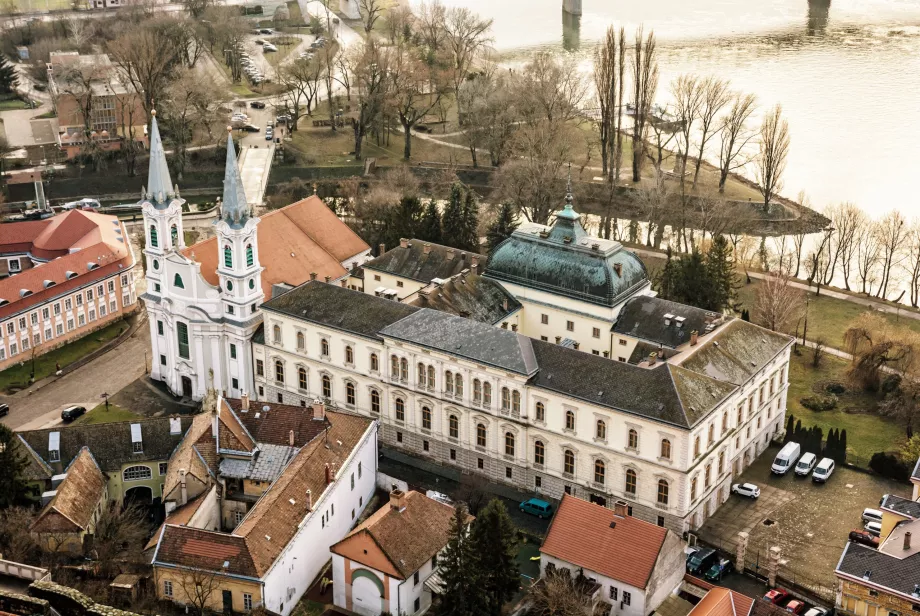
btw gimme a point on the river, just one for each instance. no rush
(847, 73)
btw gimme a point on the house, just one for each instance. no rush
(637, 565)
(915, 480)
(719, 601)
(895, 510)
(384, 563)
(204, 300)
(73, 506)
(67, 276)
(883, 581)
(292, 482)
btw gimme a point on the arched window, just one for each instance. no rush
(631, 481)
(516, 402)
(137, 473)
(453, 426)
(540, 412)
(177, 282)
(480, 435)
(458, 385)
(449, 382)
(174, 235)
(302, 378)
(249, 256)
(426, 418)
(707, 475)
(228, 256)
(666, 449)
(350, 393)
(506, 398)
(509, 444)
(324, 347)
(477, 391)
(375, 401)
(633, 441)
(229, 285)
(301, 341)
(600, 471)
(693, 489)
(662, 492)
(375, 363)
(570, 420)
(421, 375)
(252, 283)
(601, 430)
(400, 410)
(740, 413)
(279, 371)
(431, 384)
(154, 241)
(487, 394)
(696, 447)
(568, 465)
(349, 355)
(539, 452)
(327, 386)
(724, 422)
(394, 366)
(712, 434)
(276, 334)
(404, 370)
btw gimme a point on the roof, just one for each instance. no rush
(723, 602)
(406, 538)
(656, 320)
(35, 469)
(340, 308)
(894, 544)
(584, 534)
(765, 608)
(266, 465)
(424, 261)
(466, 338)
(901, 505)
(674, 606)
(915, 475)
(666, 392)
(196, 454)
(469, 295)
(274, 426)
(180, 516)
(71, 509)
(110, 443)
(159, 184)
(735, 352)
(896, 574)
(234, 208)
(293, 242)
(205, 549)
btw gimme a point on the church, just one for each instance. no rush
(204, 301)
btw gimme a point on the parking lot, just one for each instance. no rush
(808, 521)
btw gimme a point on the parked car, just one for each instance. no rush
(251, 128)
(816, 611)
(80, 204)
(776, 596)
(719, 570)
(440, 497)
(702, 560)
(283, 118)
(4, 410)
(823, 471)
(871, 515)
(266, 31)
(746, 489)
(537, 507)
(72, 412)
(786, 458)
(269, 47)
(863, 537)
(269, 134)
(806, 463)
(690, 552)
(257, 105)
(259, 42)
(795, 606)
(874, 527)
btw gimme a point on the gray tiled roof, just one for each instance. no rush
(499, 348)
(736, 351)
(414, 263)
(643, 317)
(339, 308)
(664, 393)
(898, 574)
(471, 296)
(266, 466)
(902, 505)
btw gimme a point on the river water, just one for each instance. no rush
(847, 73)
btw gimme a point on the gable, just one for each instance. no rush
(361, 548)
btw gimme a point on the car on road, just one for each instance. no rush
(81, 204)
(257, 105)
(266, 31)
(719, 570)
(283, 118)
(863, 537)
(269, 47)
(805, 464)
(746, 489)
(776, 596)
(72, 412)
(795, 606)
(874, 527)
(537, 507)
(702, 560)
(250, 128)
(816, 611)
(4, 410)
(269, 134)
(823, 471)
(871, 515)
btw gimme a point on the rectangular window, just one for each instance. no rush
(92, 315)
(537, 481)
(113, 307)
(232, 351)
(182, 336)
(69, 325)
(102, 310)
(57, 309)
(68, 304)
(570, 326)
(137, 447)
(399, 437)
(260, 368)
(544, 319)
(14, 265)
(111, 286)
(54, 455)
(89, 295)
(661, 521)
(479, 463)
(60, 329)
(596, 332)
(453, 454)
(247, 602)
(79, 299)
(163, 467)
(124, 280)
(160, 328)
(81, 320)
(627, 597)
(235, 383)
(167, 588)
(48, 333)
(415, 579)
(613, 593)
(162, 360)
(125, 300)
(45, 314)
(622, 342)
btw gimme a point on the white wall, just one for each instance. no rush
(636, 606)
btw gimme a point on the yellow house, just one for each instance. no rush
(897, 509)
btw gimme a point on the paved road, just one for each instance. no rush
(255, 165)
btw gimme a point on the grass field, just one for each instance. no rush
(13, 103)
(100, 415)
(30, 6)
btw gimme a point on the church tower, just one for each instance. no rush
(238, 266)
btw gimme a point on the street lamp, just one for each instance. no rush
(105, 396)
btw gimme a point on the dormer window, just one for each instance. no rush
(137, 443)
(91, 266)
(24, 293)
(54, 447)
(69, 274)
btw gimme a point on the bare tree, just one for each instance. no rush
(346, 65)
(854, 222)
(120, 535)
(145, 60)
(777, 304)
(550, 88)
(189, 106)
(891, 233)
(845, 218)
(197, 8)
(868, 250)
(609, 62)
(735, 135)
(16, 542)
(414, 91)
(492, 113)
(688, 97)
(371, 10)
(199, 587)
(557, 593)
(715, 96)
(653, 199)
(878, 345)
(818, 350)
(399, 24)
(465, 35)
(301, 79)
(774, 151)
(79, 30)
(370, 76)
(645, 84)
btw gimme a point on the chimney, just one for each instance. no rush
(474, 263)
(450, 254)
(344, 283)
(505, 304)
(621, 509)
(576, 345)
(618, 268)
(907, 540)
(309, 500)
(291, 438)
(514, 327)
(354, 266)
(245, 402)
(558, 339)
(427, 248)
(319, 410)
(397, 499)
(651, 358)
(381, 250)
(328, 278)
(183, 488)
(462, 256)
(312, 275)
(328, 474)
(694, 336)
(403, 242)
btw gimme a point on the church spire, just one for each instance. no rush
(568, 212)
(159, 184)
(234, 209)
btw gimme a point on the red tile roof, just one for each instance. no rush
(193, 547)
(581, 534)
(294, 241)
(180, 516)
(274, 426)
(723, 602)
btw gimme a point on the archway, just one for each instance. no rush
(138, 495)
(366, 593)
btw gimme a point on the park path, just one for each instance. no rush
(255, 165)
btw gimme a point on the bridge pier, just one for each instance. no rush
(572, 7)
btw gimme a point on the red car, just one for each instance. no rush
(795, 606)
(864, 537)
(776, 596)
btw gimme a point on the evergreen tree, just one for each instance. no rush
(12, 463)
(817, 438)
(470, 218)
(8, 77)
(721, 270)
(459, 571)
(693, 284)
(430, 226)
(666, 278)
(797, 433)
(495, 543)
(790, 427)
(452, 218)
(502, 227)
(405, 220)
(745, 315)
(842, 448)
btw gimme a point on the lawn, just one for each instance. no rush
(45, 365)
(867, 432)
(9, 104)
(100, 415)
(29, 6)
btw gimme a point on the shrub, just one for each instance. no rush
(819, 402)
(835, 388)
(889, 465)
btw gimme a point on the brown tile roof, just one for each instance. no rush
(188, 454)
(180, 516)
(35, 469)
(274, 426)
(294, 241)
(408, 538)
(581, 534)
(77, 497)
(232, 434)
(723, 602)
(193, 547)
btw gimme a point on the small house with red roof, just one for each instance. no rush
(636, 564)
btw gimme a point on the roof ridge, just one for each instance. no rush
(45, 466)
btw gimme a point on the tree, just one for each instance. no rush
(8, 77)
(196, 8)
(452, 222)
(13, 461)
(371, 10)
(645, 83)
(903, 404)
(790, 426)
(371, 81)
(198, 587)
(120, 535)
(735, 134)
(188, 107)
(687, 93)
(609, 63)
(777, 304)
(876, 345)
(721, 270)
(145, 59)
(491, 113)
(301, 79)
(891, 232)
(494, 542)
(910, 451)
(430, 225)
(458, 566)
(16, 542)
(465, 34)
(415, 89)
(549, 88)
(405, 219)
(773, 154)
(502, 227)
(818, 349)
(470, 223)
(715, 96)
(557, 593)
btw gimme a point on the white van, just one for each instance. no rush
(806, 463)
(786, 458)
(823, 470)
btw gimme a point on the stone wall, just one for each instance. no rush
(23, 605)
(70, 602)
